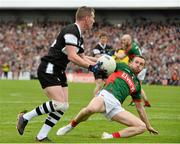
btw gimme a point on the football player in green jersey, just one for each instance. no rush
(118, 86)
(132, 49)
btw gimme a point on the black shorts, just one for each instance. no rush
(51, 75)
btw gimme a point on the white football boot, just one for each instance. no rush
(64, 130)
(106, 135)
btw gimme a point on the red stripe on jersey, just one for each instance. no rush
(124, 76)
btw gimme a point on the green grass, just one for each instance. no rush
(19, 95)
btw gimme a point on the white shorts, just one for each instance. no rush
(142, 74)
(112, 105)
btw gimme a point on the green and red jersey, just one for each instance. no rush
(133, 50)
(123, 82)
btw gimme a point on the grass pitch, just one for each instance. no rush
(16, 96)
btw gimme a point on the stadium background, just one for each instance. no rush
(27, 29)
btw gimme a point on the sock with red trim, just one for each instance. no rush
(74, 123)
(116, 135)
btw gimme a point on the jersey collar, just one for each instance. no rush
(78, 28)
(103, 46)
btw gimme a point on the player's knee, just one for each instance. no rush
(141, 128)
(62, 106)
(90, 110)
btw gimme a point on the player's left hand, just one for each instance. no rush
(152, 130)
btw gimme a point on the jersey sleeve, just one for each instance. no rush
(137, 95)
(96, 50)
(134, 50)
(72, 37)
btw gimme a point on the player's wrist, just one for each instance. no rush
(90, 67)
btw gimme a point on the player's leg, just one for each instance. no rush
(55, 87)
(57, 103)
(95, 106)
(54, 117)
(135, 126)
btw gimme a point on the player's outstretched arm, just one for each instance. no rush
(144, 118)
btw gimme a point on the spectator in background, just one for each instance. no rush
(5, 69)
(159, 41)
(175, 76)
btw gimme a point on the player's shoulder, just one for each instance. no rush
(71, 28)
(121, 65)
(135, 45)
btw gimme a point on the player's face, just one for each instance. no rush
(137, 64)
(90, 21)
(103, 39)
(124, 43)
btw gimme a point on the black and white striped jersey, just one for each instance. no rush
(101, 49)
(70, 35)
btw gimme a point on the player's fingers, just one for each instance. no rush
(154, 132)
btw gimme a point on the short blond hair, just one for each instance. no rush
(83, 12)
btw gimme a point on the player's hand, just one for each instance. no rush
(152, 130)
(95, 68)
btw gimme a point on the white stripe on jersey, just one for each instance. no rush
(70, 38)
(96, 51)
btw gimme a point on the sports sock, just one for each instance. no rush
(116, 135)
(45, 108)
(74, 123)
(50, 121)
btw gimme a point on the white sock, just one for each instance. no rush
(43, 132)
(50, 121)
(29, 115)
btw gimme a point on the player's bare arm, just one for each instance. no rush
(144, 117)
(75, 58)
(120, 55)
(92, 59)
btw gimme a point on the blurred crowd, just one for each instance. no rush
(23, 44)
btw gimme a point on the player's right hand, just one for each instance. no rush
(152, 130)
(95, 68)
